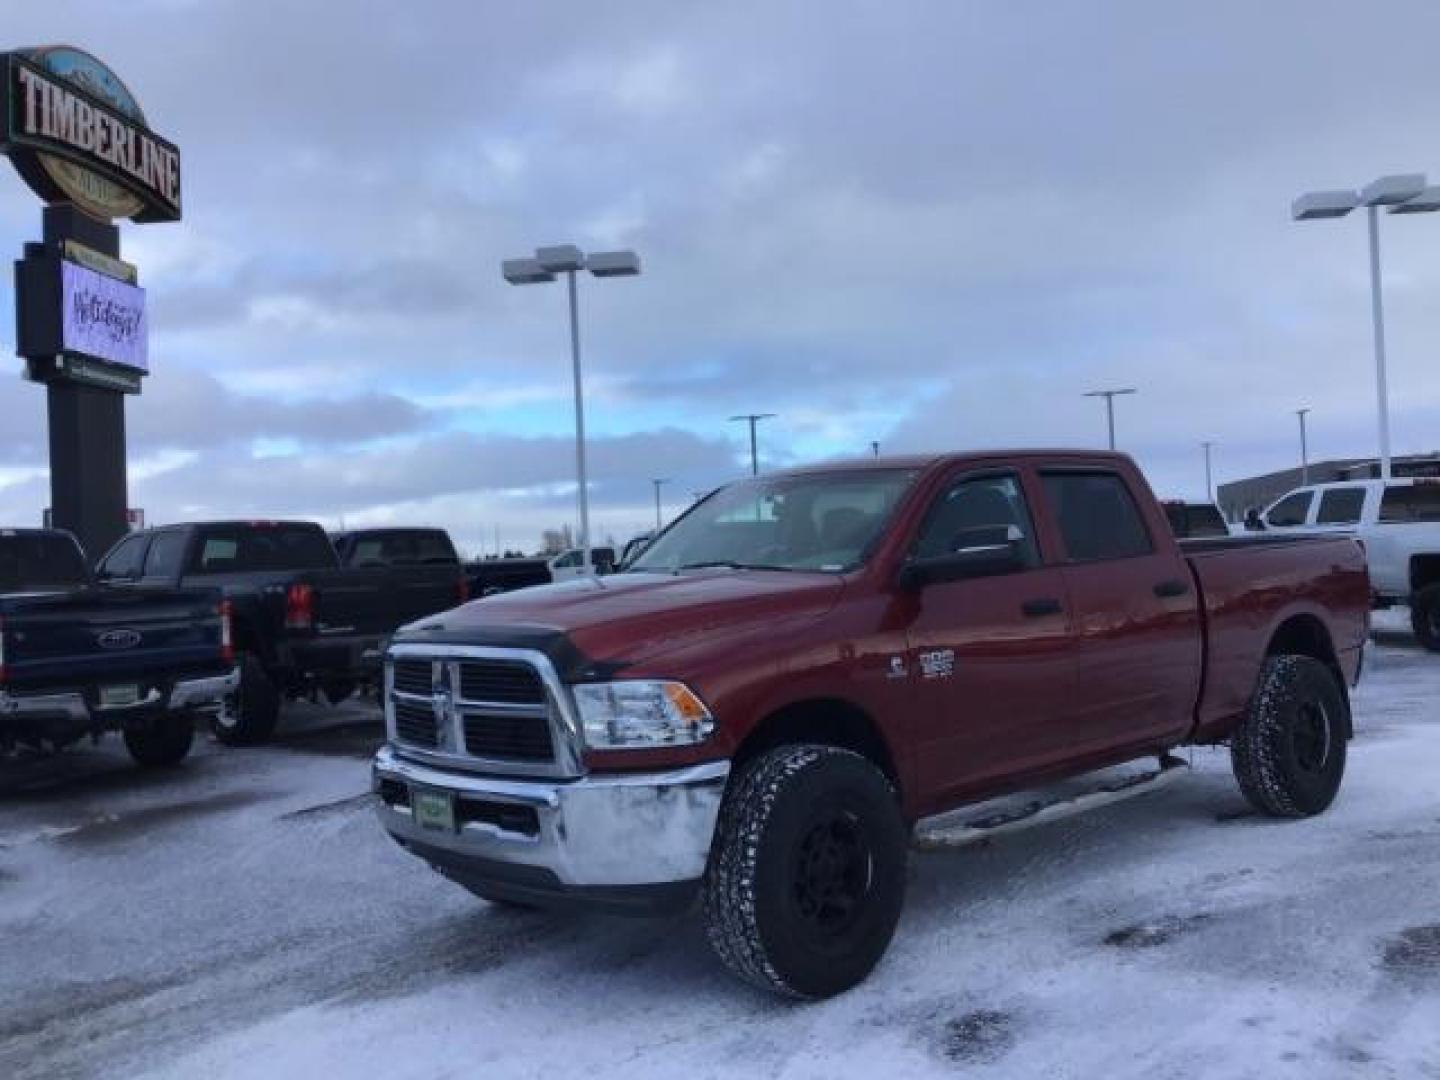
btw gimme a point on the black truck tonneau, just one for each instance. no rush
(302, 621)
(78, 658)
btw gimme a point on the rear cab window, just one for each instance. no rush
(1340, 506)
(244, 548)
(1098, 516)
(1408, 503)
(40, 562)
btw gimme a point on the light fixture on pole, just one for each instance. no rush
(658, 481)
(753, 419)
(1304, 447)
(1403, 194)
(1110, 396)
(1209, 487)
(569, 260)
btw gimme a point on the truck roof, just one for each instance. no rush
(926, 461)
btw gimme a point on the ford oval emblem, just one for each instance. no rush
(119, 639)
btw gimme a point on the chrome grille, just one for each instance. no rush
(414, 676)
(503, 682)
(483, 708)
(415, 724)
(519, 738)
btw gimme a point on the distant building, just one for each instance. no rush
(1238, 496)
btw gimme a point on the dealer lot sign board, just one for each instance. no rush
(76, 133)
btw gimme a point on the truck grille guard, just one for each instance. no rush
(483, 712)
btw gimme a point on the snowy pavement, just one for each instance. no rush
(245, 917)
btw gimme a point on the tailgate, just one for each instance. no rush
(97, 635)
(356, 602)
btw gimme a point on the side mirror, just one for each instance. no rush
(986, 560)
(1253, 521)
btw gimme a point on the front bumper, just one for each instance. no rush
(205, 692)
(622, 841)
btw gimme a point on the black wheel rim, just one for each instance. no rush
(833, 875)
(1310, 737)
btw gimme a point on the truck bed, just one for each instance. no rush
(1249, 587)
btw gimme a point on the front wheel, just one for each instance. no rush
(807, 875)
(1289, 752)
(1425, 617)
(161, 741)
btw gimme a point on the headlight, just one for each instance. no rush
(635, 712)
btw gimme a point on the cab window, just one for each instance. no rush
(1340, 506)
(1290, 511)
(127, 559)
(1097, 516)
(987, 511)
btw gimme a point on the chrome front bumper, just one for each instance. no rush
(608, 831)
(185, 694)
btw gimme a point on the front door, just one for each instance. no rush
(990, 658)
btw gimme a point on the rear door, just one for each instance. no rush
(990, 658)
(1134, 611)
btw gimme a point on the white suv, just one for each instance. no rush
(1398, 522)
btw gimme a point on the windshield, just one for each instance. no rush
(814, 521)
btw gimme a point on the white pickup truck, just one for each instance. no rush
(1397, 521)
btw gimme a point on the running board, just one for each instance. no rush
(960, 828)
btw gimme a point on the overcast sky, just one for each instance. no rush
(929, 224)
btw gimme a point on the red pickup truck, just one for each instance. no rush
(806, 665)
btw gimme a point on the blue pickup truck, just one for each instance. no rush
(78, 658)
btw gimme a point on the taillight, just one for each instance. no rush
(227, 639)
(300, 607)
(462, 590)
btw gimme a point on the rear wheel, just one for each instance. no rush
(163, 740)
(807, 875)
(1425, 617)
(1289, 752)
(249, 716)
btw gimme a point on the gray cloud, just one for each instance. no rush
(935, 225)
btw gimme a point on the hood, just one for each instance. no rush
(612, 622)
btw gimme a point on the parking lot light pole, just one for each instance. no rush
(1403, 194)
(569, 260)
(1304, 448)
(658, 481)
(1110, 396)
(1209, 487)
(753, 419)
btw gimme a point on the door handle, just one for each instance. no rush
(1041, 606)
(1167, 589)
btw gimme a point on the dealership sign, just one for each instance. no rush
(76, 134)
(102, 317)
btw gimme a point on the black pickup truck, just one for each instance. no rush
(302, 622)
(79, 659)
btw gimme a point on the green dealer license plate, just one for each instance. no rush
(434, 809)
(119, 696)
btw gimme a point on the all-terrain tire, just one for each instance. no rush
(807, 872)
(161, 741)
(1425, 617)
(251, 715)
(1289, 752)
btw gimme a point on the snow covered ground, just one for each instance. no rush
(245, 917)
